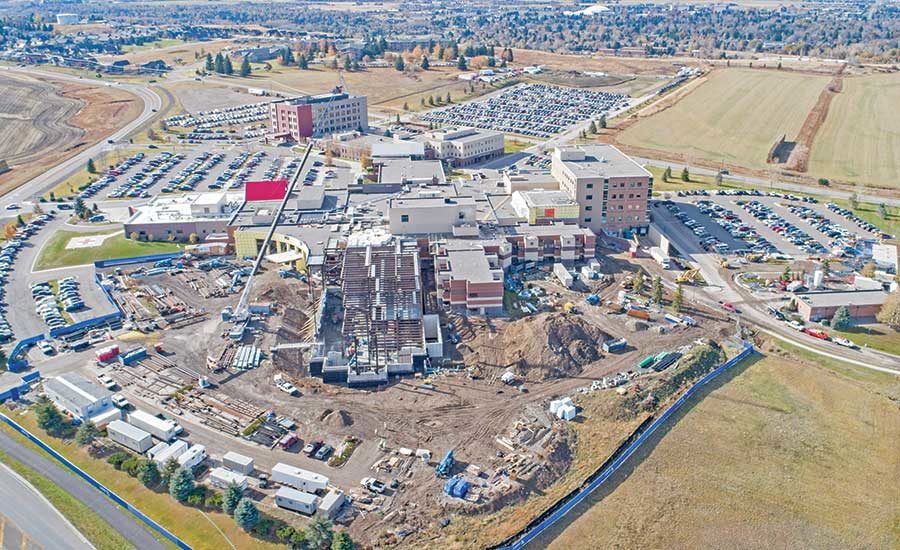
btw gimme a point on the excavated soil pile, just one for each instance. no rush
(337, 419)
(540, 347)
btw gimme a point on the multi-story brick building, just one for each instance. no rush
(611, 188)
(319, 115)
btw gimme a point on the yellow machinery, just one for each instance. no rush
(690, 276)
(569, 307)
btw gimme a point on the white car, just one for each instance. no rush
(120, 401)
(795, 325)
(12, 206)
(287, 388)
(844, 342)
(107, 381)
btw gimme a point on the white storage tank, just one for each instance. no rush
(238, 463)
(222, 478)
(298, 478)
(295, 500)
(129, 436)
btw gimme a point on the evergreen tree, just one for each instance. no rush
(210, 66)
(231, 498)
(718, 179)
(826, 266)
(491, 62)
(348, 65)
(678, 301)
(245, 67)
(148, 473)
(657, 290)
(667, 174)
(86, 433)
(449, 99)
(170, 467)
(399, 64)
(354, 66)
(841, 319)
(219, 64)
(592, 128)
(425, 63)
(854, 201)
(246, 515)
(638, 282)
(302, 62)
(882, 211)
(342, 541)
(320, 533)
(181, 484)
(228, 69)
(90, 167)
(685, 175)
(461, 63)
(603, 121)
(287, 57)
(49, 418)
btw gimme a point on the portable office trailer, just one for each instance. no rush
(174, 450)
(298, 501)
(129, 436)
(192, 457)
(299, 478)
(222, 478)
(238, 462)
(164, 430)
(156, 449)
(332, 503)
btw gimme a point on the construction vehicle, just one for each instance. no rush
(690, 276)
(754, 257)
(444, 467)
(592, 299)
(569, 307)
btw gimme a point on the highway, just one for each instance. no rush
(120, 520)
(28, 517)
(59, 173)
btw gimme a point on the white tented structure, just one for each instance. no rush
(559, 403)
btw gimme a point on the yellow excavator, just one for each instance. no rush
(690, 276)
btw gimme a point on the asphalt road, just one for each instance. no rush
(120, 520)
(66, 169)
(28, 516)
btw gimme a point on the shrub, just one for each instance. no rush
(86, 434)
(213, 501)
(264, 527)
(117, 458)
(131, 466)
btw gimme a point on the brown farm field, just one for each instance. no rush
(860, 140)
(386, 88)
(789, 453)
(734, 117)
(52, 120)
(610, 64)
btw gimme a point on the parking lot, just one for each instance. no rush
(537, 110)
(781, 225)
(227, 124)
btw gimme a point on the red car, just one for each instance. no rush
(728, 306)
(821, 335)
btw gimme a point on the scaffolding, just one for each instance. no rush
(382, 302)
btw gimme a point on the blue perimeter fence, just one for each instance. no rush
(550, 517)
(96, 484)
(16, 364)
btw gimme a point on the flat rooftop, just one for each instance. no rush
(542, 198)
(604, 161)
(407, 171)
(471, 264)
(76, 389)
(188, 207)
(844, 298)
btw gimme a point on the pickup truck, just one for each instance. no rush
(372, 484)
(844, 342)
(107, 381)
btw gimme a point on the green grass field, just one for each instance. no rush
(735, 117)
(878, 337)
(164, 43)
(860, 140)
(54, 253)
(89, 524)
(790, 453)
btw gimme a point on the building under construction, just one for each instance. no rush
(377, 303)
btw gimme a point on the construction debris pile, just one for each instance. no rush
(540, 347)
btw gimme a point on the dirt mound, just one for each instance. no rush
(336, 419)
(542, 346)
